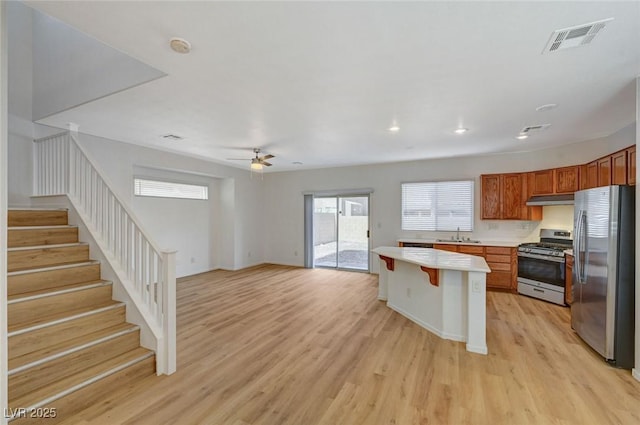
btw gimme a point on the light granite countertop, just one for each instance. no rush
(435, 258)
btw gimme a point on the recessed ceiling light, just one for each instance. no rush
(522, 137)
(546, 107)
(461, 130)
(394, 128)
(180, 45)
(297, 163)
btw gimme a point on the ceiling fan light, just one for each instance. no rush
(256, 166)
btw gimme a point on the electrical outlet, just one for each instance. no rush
(193, 260)
(249, 255)
(408, 292)
(295, 253)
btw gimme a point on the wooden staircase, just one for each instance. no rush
(68, 340)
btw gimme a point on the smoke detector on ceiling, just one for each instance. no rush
(578, 35)
(180, 45)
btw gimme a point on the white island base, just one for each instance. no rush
(442, 291)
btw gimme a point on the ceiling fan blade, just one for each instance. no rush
(268, 164)
(267, 157)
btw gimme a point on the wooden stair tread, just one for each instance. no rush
(55, 290)
(36, 209)
(56, 267)
(68, 345)
(44, 227)
(36, 247)
(83, 378)
(61, 316)
(24, 269)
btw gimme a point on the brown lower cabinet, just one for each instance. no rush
(568, 279)
(502, 260)
(447, 247)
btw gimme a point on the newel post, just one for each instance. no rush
(169, 311)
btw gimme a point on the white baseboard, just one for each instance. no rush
(477, 349)
(635, 373)
(278, 263)
(430, 328)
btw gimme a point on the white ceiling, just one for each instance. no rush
(321, 83)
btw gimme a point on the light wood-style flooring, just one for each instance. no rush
(276, 345)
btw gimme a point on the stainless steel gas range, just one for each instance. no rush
(541, 266)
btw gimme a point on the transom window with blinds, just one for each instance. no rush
(435, 206)
(165, 189)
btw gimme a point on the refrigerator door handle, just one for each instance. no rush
(577, 253)
(582, 252)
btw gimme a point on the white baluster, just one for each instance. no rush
(169, 311)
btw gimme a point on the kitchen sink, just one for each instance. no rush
(457, 240)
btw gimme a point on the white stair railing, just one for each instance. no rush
(62, 167)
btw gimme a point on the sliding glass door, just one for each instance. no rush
(341, 232)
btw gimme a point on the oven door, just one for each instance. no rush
(541, 268)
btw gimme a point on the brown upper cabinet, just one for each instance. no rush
(604, 171)
(512, 196)
(631, 165)
(591, 175)
(619, 167)
(504, 196)
(490, 194)
(567, 179)
(542, 182)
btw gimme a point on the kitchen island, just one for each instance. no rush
(444, 292)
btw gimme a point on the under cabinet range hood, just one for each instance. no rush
(563, 199)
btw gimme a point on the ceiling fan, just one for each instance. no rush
(258, 162)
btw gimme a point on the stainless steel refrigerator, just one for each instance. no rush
(603, 309)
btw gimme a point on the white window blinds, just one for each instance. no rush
(164, 189)
(435, 206)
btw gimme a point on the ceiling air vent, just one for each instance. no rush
(574, 36)
(172, 137)
(534, 128)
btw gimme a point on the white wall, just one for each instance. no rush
(234, 236)
(187, 225)
(284, 211)
(19, 102)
